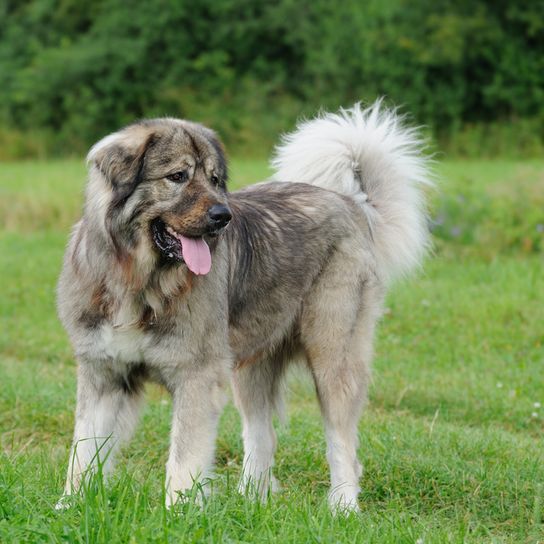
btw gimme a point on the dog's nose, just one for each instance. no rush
(219, 216)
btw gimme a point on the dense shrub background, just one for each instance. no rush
(470, 70)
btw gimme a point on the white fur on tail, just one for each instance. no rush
(370, 155)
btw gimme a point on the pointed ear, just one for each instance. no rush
(120, 157)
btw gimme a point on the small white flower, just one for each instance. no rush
(419, 541)
(536, 404)
(164, 402)
(534, 414)
(499, 385)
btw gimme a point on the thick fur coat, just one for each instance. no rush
(170, 278)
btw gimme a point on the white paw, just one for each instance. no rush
(65, 502)
(343, 500)
(197, 494)
(259, 488)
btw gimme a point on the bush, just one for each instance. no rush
(250, 68)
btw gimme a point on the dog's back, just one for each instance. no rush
(281, 240)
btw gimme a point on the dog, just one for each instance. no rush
(168, 277)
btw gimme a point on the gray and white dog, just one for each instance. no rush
(170, 278)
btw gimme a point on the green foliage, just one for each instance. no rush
(250, 68)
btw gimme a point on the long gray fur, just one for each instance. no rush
(300, 270)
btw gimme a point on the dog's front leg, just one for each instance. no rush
(106, 415)
(198, 399)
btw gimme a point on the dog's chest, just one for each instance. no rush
(158, 333)
(133, 335)
(125, 344)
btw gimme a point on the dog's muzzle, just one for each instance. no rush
(219, 217)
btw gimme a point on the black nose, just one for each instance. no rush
(219, 216)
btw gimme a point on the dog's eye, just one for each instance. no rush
(178, 177)
(215, 179)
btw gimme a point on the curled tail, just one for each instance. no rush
(371, 156)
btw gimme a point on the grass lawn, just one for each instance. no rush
(452, 439)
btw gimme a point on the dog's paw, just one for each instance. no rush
(197, 494)
(259, 489)
(65, 502)
(275, 486)
(344, 500)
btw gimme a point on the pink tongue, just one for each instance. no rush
(196, 254)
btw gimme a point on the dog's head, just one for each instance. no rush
(158, 190)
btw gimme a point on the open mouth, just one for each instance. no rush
(179, 248)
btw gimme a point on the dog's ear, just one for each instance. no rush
(223, 173)
(120, 157)
(218, 147)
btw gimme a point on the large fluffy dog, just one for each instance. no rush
(168, 277)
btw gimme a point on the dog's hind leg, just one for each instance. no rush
(256, 393)
(106, 415)
(337, 334)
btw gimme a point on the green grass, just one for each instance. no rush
(451, 440)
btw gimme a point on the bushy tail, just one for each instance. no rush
(370, 155)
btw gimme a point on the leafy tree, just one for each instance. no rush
(76, 71)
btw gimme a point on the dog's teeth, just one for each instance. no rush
(170, 255)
